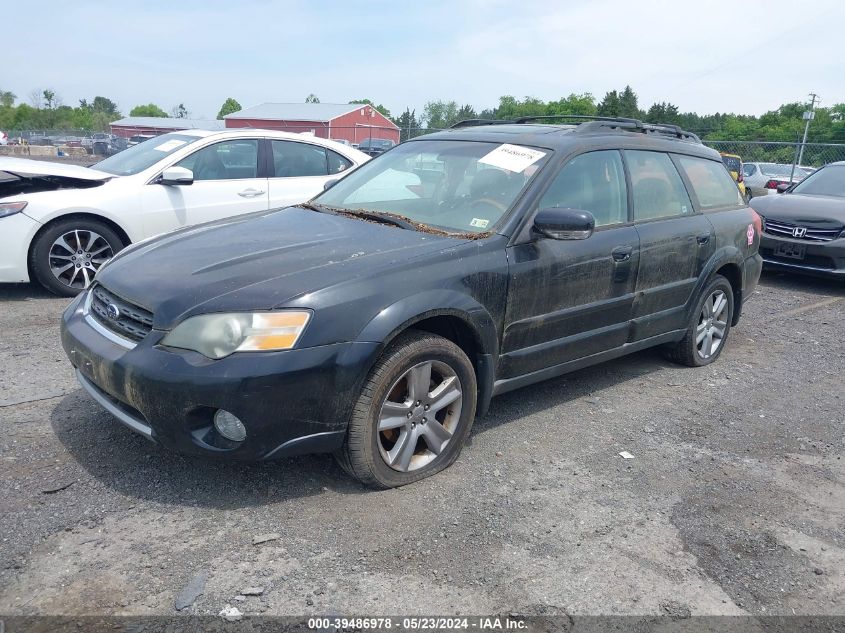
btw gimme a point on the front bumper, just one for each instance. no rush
(16, 233)
(291, 402)
(822, 259)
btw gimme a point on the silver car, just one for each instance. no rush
(761, 179)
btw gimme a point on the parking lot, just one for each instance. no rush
(733, 502)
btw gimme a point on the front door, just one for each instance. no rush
(569, 299)
(226, 184)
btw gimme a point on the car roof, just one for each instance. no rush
(276, 134)
(600, 134)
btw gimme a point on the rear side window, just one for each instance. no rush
(748, 170)
(292, 159)
(337, 163)
(656, 185)
(712, 184)
(593, 182)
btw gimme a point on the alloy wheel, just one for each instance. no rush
(77, 255)
(712, 324)
(419, 416)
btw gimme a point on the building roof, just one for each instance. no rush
(323, 112)
(163, 123)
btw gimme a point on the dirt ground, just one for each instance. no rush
(733, 503)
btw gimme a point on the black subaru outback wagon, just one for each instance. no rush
(379, 319)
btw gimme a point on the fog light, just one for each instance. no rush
(229, 426)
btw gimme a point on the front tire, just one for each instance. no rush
(415, 410)
(66, 256)
(709, 326)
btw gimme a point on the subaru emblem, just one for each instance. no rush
(113, 311)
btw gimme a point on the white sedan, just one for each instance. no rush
(59, 223)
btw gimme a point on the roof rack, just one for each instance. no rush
(592, 124)
(477, 122)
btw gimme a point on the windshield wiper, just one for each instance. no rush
(313, 207)
(384, 218)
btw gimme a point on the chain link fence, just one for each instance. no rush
(814, 155)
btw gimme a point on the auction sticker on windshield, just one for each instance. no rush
(513, 158)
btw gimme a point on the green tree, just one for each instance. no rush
(408, 125)
(149, 109)
(312, 98)
(7, 98)
(229, 106)
(628, 104)
(466, 112)
(663, 112)
(440, 114)
(105, 106)
(610, 106)
(49, 98)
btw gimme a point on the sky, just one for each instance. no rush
(705, 56)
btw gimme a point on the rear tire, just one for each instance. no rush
(66, 256)
(709, 326)
(414, 412)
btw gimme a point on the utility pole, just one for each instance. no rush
(809, 115)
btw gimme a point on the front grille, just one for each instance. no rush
(784, 229)
(133, 322)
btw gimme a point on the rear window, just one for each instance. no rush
(712, 184)
(732, 163)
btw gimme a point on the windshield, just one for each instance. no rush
(829, 181)
(138, 157)
(376, 142)
(457, 186)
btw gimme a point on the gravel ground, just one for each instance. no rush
(732, 504)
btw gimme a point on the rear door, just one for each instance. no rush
(226, 183)
(675, 243)
(299, 171)
(570, 299)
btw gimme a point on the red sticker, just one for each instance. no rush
(750, 234)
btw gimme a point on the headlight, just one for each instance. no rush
(10, 208)
(218, 335)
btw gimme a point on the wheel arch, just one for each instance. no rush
(727, 262)
(87, 215)
(452, 315)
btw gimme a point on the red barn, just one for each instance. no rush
(352, 122)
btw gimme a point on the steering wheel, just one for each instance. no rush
(488, 201)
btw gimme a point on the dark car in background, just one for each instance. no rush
(375, 146)
(379, 319)
(804, 227)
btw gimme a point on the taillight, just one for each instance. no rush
(740, 177)
(757, 221)
(772, 184)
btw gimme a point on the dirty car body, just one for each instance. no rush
(373, 266)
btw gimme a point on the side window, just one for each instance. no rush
(748, 170)
(712, 184)
(227, 160)
(593, 182)
(292, 159)
(337, 163)
(656, 185)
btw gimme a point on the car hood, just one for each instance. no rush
(258, 262)
(25, 168)
(811, 211)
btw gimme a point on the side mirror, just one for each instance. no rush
(782, 187)
(329, 184)
(564, 224)
(176, 176)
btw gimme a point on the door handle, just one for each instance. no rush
(250, 193)
(702, 238)
(621, 254)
